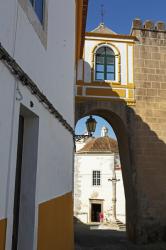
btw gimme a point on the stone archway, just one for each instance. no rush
(115, 113)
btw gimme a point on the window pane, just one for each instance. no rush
(110, 76)
(100, 59)
(110, 60)
(100, 67)
(98, 182)
(110, 68)
(101, 51)
(96, 178)
(109, 51)
(99, 76)
(39, 5)
(32, 2)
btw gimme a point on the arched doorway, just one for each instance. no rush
(115, 115)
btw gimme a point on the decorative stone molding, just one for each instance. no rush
(160, 26)
(148, 26)
(40, 29)
(137, 24)
(18, 72)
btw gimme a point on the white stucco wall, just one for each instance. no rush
(130, 60)
(84, 190)
(39, 63)
(120, 208)
(53, 70)
(7, 85)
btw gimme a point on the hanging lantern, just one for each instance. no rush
(91, 125)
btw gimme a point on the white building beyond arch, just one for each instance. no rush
(100, 155)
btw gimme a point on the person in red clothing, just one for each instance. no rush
(101, 217)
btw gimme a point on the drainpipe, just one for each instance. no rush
(114, 181)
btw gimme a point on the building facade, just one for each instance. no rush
(96, 166)
(135, 108)
(106, 70)
(37, 62)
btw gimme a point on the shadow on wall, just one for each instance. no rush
(89, 236)
(89, 74)
(143, 159)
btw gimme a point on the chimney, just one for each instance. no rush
(149, 25)
(137, 24)
(104, 131)
(160, 26)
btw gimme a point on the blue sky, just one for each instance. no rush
(81, 126)
(120, 13)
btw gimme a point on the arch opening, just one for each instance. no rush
(121, 133)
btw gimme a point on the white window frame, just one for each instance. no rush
(116, 63)
(96, 180)
(41, 29)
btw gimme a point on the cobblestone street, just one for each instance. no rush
(89, 238)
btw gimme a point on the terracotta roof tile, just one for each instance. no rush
(100, 145)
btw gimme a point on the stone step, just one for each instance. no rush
(117, 224)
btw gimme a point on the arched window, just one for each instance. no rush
(105, 64)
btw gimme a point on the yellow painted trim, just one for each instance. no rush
(3, 225)
(80, 99)
(133, 64)
(81, 15)
(79, 90)
(55, 224)
(130, 94)
(103, 44)
(106, 92)
(106, 84)
(106, 40)
(93, 34)
(79, 82)
(78, 24)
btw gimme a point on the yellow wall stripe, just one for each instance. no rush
(79, 90)
(131, 93)
(106, 92)
(3, 224)
(107, 84)
(55, 226)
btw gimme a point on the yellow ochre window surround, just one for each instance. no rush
(106, 64)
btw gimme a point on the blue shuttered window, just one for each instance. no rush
(38, 6)
(105, 64)
(32, 2)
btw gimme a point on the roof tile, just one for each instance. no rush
(100, 145)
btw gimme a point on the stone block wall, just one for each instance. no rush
(147, 130)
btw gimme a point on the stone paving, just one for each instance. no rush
(90, 238)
